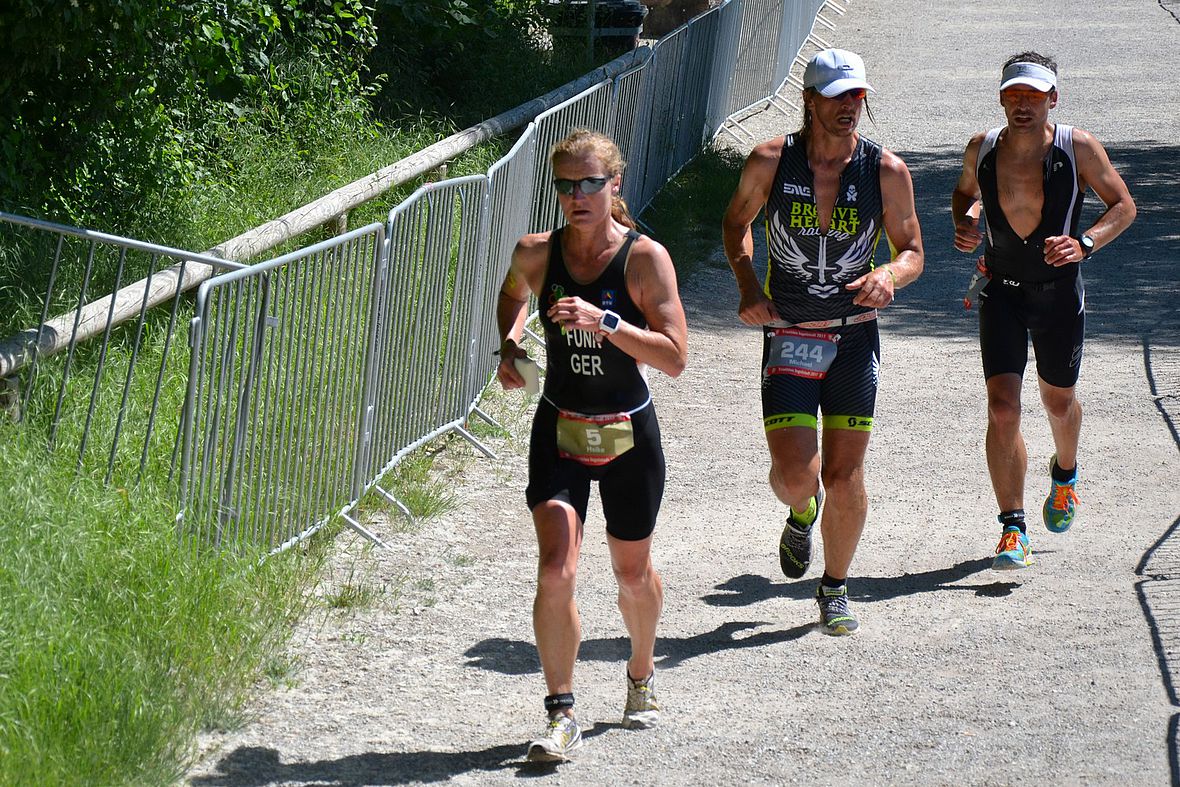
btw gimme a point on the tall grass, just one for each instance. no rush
(686, 215)
(119, 644)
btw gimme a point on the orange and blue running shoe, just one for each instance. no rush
(1062, 503)
(1013, 551)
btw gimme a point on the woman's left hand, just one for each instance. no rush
(575, 313)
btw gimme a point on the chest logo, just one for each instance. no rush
(608, 298)
(851, 192)
(797, 189)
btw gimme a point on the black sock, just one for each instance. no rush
(830, 582)
(1015, 517)
(1062, 476)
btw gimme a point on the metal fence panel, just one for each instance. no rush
(729, 25)
(427, 318)
(88, 397)
(693, 82)
(277, 379)
(505, 219)
(665, 111)
(758, 52)
(632, 129)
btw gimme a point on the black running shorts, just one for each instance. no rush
(631, 486)
(1052, 313)
(847, 395)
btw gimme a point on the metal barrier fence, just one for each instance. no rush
(312, 375)
(89, 398)
(278, 391)
(406, 355)
(428, 320)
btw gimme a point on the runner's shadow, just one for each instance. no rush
(515, 657)
(749, 589)
(253, 766)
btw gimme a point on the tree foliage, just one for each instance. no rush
(114, 104)
(453, 55)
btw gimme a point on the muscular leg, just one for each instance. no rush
(1007, 458)
(794, 465)
(1065, 419)
(555, 614)
(641, 597)
(847, 503)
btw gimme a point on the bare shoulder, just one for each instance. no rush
(892, 163)
(766, 154)
(648, 256)
(532, 248)
(976, 140)
(1085, 142)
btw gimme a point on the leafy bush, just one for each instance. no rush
(469, 60)
(115, 106)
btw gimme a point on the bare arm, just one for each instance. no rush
(965, 200)
(877, 287)
(752, 191)
(651, 283)
(525, 275)
(1096, 172)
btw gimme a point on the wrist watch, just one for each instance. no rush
(1087, 244)
(609, 322)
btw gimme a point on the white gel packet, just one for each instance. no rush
(527, 368)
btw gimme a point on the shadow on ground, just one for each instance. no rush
(253, 766)
(517, 657)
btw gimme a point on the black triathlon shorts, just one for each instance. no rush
(1053, 313)
(847, 395)
(631, 486)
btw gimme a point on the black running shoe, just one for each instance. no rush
(835, 617)
(794, 545)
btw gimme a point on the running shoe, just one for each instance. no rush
(834, 616)
(1013, 551)
(1062, 503)
(794, 545)
(561, 736)
(643, 709)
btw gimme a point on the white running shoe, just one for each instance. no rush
(561, 736)
(643, 709)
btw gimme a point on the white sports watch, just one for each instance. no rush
(608, 323)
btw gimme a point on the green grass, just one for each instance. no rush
(264, 178)
(686, 215)
(119, 642)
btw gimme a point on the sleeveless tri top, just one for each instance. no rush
(1010, 256)
(583, 375)
(808, 269)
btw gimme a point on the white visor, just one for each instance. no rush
(1031, 74)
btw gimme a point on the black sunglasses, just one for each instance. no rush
(586, 185)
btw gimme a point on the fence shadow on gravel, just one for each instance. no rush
(1158, 586)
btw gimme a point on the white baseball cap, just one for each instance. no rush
(1035, 76)
(833, 71)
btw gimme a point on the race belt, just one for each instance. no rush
(817, 325)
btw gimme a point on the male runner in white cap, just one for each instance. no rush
(828, 193)
(1029, 178)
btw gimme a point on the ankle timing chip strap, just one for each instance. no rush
(558, 702)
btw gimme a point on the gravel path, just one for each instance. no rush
(959, 675)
